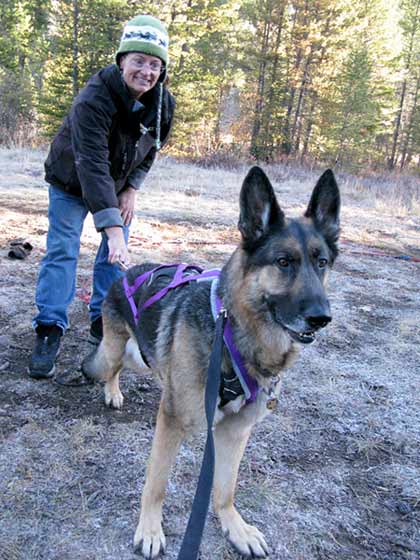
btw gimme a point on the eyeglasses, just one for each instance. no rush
(140, 63)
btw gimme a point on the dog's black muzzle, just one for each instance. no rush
(300, 320)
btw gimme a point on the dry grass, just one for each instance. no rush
(333, 474)
(396, 195)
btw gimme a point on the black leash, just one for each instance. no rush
(194, 532)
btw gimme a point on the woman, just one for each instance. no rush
(96, 163)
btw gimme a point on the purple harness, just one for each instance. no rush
(195, 273)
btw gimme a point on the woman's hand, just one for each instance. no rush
(127, 202)
(118, 251)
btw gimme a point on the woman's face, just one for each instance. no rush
(140, 72)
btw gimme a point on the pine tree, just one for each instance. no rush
(310, 79)
(204, 47)
(23, 26)
(404, 125)
(83, 37)
(354, 118)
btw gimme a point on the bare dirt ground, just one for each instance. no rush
(332, 474)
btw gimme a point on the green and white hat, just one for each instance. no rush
(145, 34)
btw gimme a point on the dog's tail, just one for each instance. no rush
(132, 357)
(95, 366)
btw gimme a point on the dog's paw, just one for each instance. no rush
(149, 540)
(113, 397)
(246, 539)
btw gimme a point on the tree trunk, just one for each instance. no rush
(405, 148)
(287, 135)
(395, 137)
(216, 132)
(342, 138)
(313, 96)
(260, 92)
(75, 69)
(268, 135)
(311, 121)
(184, 49)
(296, 128)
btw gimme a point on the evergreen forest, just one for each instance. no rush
(329, 81)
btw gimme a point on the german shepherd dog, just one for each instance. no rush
(273, 289)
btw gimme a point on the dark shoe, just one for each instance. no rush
(96, 331)
(47, 344)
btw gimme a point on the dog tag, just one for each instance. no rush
(272, 403)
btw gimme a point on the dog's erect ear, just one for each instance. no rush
(324, 206)
(258, 206)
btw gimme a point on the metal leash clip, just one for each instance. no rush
(223, 311)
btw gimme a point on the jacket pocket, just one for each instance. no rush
(120, 159)
(127, 159)
(143, 146)
(60, 160)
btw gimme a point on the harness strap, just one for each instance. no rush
(130, 299)
(130, 290)
(178, 280)
(249, 384)
(193, 534)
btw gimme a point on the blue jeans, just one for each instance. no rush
(56, 285)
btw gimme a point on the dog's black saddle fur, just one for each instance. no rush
(230, 386)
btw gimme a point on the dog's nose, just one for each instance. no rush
(318, 321)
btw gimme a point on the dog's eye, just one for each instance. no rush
(283, 262)
(322, 263)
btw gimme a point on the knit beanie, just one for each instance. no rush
(147, 35)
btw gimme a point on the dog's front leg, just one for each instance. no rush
(149, 539)
(230, 441)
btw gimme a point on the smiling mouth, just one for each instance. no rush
(303, 337)
(306, 337)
